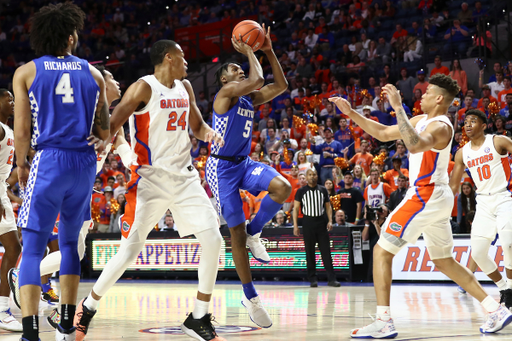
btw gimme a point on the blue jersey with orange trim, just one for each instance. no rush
(235, 127)
(63, 99)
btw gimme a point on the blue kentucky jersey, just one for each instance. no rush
(63, 100)
(235, 127)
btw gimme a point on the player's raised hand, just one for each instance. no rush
(240, 46)
(212, 136)
(342, 104)
(393, 94)
(267, 44)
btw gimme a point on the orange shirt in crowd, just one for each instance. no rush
(422, 86)
(257, 201)
(293, 181)
(364, 160)
(391, 177)
(443, 69)
(248, 203)
(481, 102)
(502, 97)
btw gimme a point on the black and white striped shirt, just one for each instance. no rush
(312, 200)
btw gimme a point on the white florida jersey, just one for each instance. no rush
(489, 169)
(6, 153)
(375, 195)
(430, 167)
(160, 130)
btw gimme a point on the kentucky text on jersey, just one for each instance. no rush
(60, 66)
(480, 160)
(173, 103)
(245, 112)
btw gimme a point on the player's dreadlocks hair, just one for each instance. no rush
(160, 49)
(52, 26)
(481, 115)
(446, 83)
(218, 74)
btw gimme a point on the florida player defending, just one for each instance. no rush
(161, 107)
(228, 169)
(486, 157)
(60, 100)
(8, 230)
(427, 205)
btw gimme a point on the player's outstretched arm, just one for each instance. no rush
(201, 130)
(23, 77)
(236, 89)
(272, 90)
(101, 116)
(379, 131)
(136, 98)
(457, 172)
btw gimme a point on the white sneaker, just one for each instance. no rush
(61, 336)
(8, 322)
(258, 250)
(377, 330)
(497, 320)
(257, 313)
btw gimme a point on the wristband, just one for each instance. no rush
(125, 152)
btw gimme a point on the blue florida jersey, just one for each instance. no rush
(235, 127)
(63, 99)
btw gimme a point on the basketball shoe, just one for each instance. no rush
(54, 318)
(65, 335)
(496, 320)
(257, 313)
(83, 317)
(8, 322)
(51, 296)
(258, 250)
(377, 330)
(14, 285)
(201, 329)
(506, 298)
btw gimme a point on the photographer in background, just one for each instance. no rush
(375, 217)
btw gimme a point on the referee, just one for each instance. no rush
(314, 201)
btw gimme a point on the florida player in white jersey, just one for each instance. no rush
(229, 168)
(161, 108)
(427, 206)
(8, 230)
(486, 158)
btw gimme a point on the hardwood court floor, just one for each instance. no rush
(154, 310)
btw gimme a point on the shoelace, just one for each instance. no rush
(256, 302)
(53, 294)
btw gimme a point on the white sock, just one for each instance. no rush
(91, 303)
(383, 312)
(509, 283)
(502, 284)
(200, 309)
(490, 304)
(4, 303)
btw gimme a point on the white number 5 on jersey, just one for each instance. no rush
(64, 88)
(247, 129)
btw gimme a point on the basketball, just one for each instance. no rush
(251, 32)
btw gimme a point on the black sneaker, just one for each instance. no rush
(506, 298)
(83, 317)
(51, 296)
(54, 319)
(335, 284)
(201, 329)
(314, 284)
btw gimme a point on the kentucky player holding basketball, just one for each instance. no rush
(161, 107)
(58, 98)
(229, 169)
(486, 157)
(427, 205)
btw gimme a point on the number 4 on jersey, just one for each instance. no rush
(64, 88)
(181, 122)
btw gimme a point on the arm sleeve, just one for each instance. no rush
(365, 195)
(298, 195)
(317, 149)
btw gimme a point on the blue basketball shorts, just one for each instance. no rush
(226, 178)
(59, 181)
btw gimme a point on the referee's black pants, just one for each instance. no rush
(314, 230)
